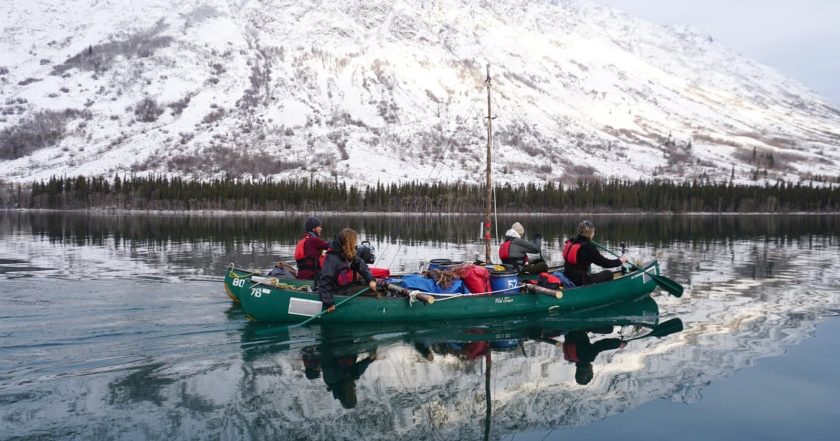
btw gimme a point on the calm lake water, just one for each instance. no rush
(117, 327)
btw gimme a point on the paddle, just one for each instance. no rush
(325, 311)
(665, 328)
(672, 287)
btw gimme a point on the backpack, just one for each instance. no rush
(550, 281)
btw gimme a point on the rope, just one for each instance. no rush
(434, 175)
(412, 297)
(275, 283)
(452, 296)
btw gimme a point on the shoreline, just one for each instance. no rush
(224, 213)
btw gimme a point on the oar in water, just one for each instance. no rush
(665, 283)
(318, 315)
(665, 328)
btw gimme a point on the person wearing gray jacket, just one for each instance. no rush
(514, 251)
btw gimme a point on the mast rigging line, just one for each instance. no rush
(434, 176)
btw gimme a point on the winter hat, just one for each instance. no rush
(312, 223)
(518, 228)
(586, 228)
(512, 233)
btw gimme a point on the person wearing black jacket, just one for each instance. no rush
(579, 253)
(340, 268)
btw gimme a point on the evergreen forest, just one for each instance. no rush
(163, 193)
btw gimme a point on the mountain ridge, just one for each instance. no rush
(370, 91)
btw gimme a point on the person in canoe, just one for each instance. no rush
(579, 254)
(309, 250)
(341, 266)
(514, 251)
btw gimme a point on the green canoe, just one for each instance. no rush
(289, 301)
(266, 339)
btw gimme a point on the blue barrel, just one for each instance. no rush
(443, 264)
(440, 264)
(505, 281)
(504, 345)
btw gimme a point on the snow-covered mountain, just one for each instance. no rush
(390, 90)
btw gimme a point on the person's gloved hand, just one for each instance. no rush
(538, 236)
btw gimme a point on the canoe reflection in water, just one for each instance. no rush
(406, 373)
(340, 372)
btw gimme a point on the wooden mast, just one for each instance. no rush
(489, 195)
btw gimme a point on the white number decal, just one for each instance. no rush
(258, 292)
(239, 283)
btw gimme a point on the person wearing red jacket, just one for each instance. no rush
(309, 250)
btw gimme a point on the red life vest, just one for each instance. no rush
(570, 252)
(299, 253)
(304, 262)
(570, 352)
(346, 277)
(504, 252)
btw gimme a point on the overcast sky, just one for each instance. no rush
(799, 38)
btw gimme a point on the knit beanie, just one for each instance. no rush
(311, 224)
(518, 228)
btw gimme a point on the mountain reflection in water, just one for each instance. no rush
(117, 327)
(438, 373)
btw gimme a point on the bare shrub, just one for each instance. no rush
(4, 70)
(28, 81)
(253, 95)
(233, 161)
(573, 173)
(147, 110)
(702, 137)
(179, 106)
(388, 110)
(218, 68)
(100, 57)
(213, 116)
(40, 130)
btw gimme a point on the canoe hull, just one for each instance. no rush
(265, 303)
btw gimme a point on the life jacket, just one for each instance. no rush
(570, 352)
(570, 252)
(504, 253)
(550, 281)
(303, 261)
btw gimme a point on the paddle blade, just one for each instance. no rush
(667, 328)
(673, 288)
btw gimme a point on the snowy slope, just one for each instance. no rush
(390, 91)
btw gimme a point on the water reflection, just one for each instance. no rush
(169, 246)
(117, 327)
(414, 369)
